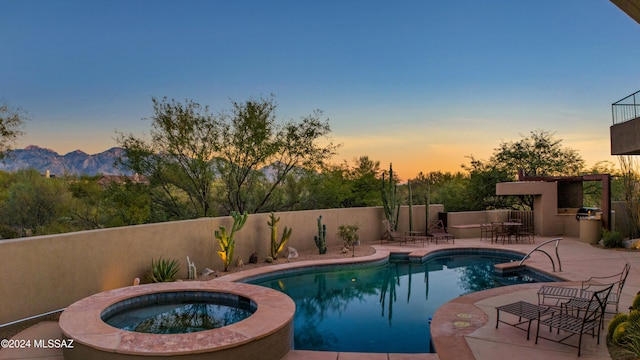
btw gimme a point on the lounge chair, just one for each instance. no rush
(557, 295)
(393, 235)
(590, 320)
(439, 232)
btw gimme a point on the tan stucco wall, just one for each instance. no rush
(46, 273)
(473, 217)
(548, 222)
(549, 219)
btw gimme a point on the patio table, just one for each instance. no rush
(523, 309)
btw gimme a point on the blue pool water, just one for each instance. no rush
(384, 308)
(177, 318)
(178, 312)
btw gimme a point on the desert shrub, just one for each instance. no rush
(611, 239)
(9, 232)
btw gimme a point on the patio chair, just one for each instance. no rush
(487, 231)
(590, 320)
(439, 232)
(578, 297)
(527, 232)
(501, 231)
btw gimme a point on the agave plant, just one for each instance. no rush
(163, 270)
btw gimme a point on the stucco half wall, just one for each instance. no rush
(549, 220)
(47, 273)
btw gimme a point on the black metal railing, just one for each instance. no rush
(626, 109)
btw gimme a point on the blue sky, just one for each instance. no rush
(421, 84)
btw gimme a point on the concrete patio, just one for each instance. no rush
(479, 338)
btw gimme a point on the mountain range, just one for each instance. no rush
(75, 163)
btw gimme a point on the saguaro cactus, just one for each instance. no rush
(391, 208)
(321, 238)
(276, 246)
(226, 240)
(410, 207)
(427, 201)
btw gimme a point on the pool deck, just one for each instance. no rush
(464, 328)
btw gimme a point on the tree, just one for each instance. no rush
(253, 140)
(36, 203)
(89, 206)
(330, 188)
(630, 170)
(130, 203)
(539, 154)
(592, 190)
(195, 161)
(481, 189)
(177, 160)
(366, 182)
(11, 123)
(451, 191)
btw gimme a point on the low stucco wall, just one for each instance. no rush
(46, 273)
(462, 218)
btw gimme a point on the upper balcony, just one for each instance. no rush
(625, 131)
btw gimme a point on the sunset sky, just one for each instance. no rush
(420, 83)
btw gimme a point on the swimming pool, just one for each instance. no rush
(384, 308)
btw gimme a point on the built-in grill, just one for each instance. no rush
(585, 212)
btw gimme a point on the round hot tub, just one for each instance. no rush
(178, 312)
(184, 320)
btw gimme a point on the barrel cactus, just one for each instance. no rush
(636, 303)
(617, 320)
(619, 334)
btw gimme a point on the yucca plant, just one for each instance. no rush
(163, 270)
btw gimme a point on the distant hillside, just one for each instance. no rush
(75, 162)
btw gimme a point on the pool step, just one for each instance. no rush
(507, 268)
